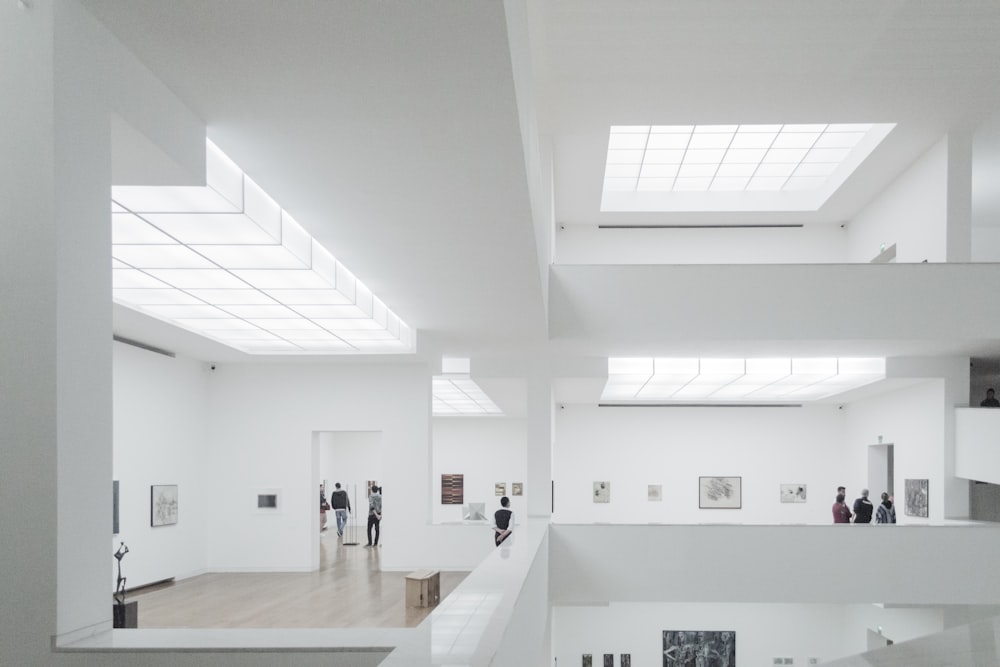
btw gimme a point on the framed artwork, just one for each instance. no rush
(474, 512)
(500, 488)
(588, 660)
(371, 483)
(162, 504)
(267, 501)
(114, 507)
(654, 493)
(452, 489)
(626, 660)
(609, 660)
(917, 501)
(682, 648)
(602, 492)
(517, 488)
(793, 493)
(720, 493)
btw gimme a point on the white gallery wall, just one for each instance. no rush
(634, 447)
(763, 631)
(912, 213)
(160, 437)
(351, 458)
(486, 450)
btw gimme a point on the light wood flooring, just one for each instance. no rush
(348, 591)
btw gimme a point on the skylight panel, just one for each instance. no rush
(661, 168)
(225, 261)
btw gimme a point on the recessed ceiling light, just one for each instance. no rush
(638, 154)
(225, 261)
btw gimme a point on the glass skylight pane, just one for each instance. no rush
(619, 184)
(630, 366)
(803, 182)
(118, 264)
(128, 228)
(710, 141)
(359, 324)
(660, 170)
(864, 366)
(213, 228)
(274, 279)
(243, 334)
(849, 127)
(664, 157)
(198, 278)
(160, 257)
(251, 256)
(142, 297)
(773, 170)
(736, 170)
(260, 346)
(622, 171)
(260, 311)
(667, 141)
(698, 129)
(795, 140)
(225, 297)
(624, 157)
(289, 324)
(803, 128)
(704, 156)
(769, 129)
(629, 141)
(744, 140)
(697, 170)
(332, 345)
(840, 140)
(655, 184)
(818, 169)
(134, 279)
(186, 311)
(672, 129)
(300, 335)
(766, 184)
(692, 184)
(213, 324)
(826, 155)
(171, 199)
(644, 129)
(786, 155)
(746, 156)
(730, 184)
(358, 334)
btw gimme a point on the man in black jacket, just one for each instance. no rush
(341, 507)
(863, 508)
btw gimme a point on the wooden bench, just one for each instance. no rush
(423, 588)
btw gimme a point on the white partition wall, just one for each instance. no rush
(977, 444)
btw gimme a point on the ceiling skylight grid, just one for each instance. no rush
(225, 261)
(663, 379)
(460, 396)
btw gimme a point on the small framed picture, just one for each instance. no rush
(602, 492)
(500, 488)
(517, 488)
(654, 493)
(720, 493)
(162, 505)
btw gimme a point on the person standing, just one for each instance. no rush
(863, 508)
(841, 514)
(323, 507)
(503, 521)
(885, 513)
(990, 401)
(341, 505)
(374, 515)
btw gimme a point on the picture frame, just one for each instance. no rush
(500, 488)
(602, 492)
(680, 647)
(162, 505)
(916, 498)
(654, 493)
(452, 489)
(720, 493)
(517, 488)
(792, 493)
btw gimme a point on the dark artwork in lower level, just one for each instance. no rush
(699, 648)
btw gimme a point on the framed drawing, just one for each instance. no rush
(588, 660)
(626, 660)
(793, 493)
(114, 506)
(917, 502)
(720, 493)
(452, 489)
(500, 488)
(602, 492)
(687, 647)
(517, 488)
(654, 493)
(162, 504)
(609, 660)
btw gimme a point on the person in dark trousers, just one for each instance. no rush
(863, 508)
(503, 521)
(990, 401)
(341, 505)
(885, 513)
(374, 515)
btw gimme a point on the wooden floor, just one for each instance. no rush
(348, 591)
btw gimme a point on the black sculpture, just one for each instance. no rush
(120, 614)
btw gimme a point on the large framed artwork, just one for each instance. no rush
(687, 648)
(602, 492)
(162, 504)
(452, 489)
(793, 493)
(720, 493)
(917, 501)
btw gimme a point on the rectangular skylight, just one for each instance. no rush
(225, 261)
(715, 167)
(457, 395)
(754, 380)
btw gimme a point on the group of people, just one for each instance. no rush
(863, 508)
(341, 506)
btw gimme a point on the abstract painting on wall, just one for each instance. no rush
(517, 488)
(602, 492)
(654, 492)
(687, 648)
(500, 488)
(452, 489)
(588, 660)
(626, 660)
(162, 504)
(793, 493)
(917, 502)
(474, 512)
(609, 660)
(720, 493)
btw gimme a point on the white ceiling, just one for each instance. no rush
(391, 132)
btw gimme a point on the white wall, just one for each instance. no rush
(912, 213)
(977, 444)
(912, 419)
(486, 451)
(633, 447)
(160, 437)
(763, 631)
(351, 458)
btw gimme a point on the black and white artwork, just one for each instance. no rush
(916, 497)
(720, 493)
(474, 512)
(114, 507)
(588, 660)
(500, 488)
(517, 488)
(793, 493)
(602, 492)
(162, 504)
(626, 660)
(654, 493)
(609, 660)
(699, 648)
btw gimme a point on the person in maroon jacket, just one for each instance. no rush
(841, 513)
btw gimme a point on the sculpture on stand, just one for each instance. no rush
(125, 615)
